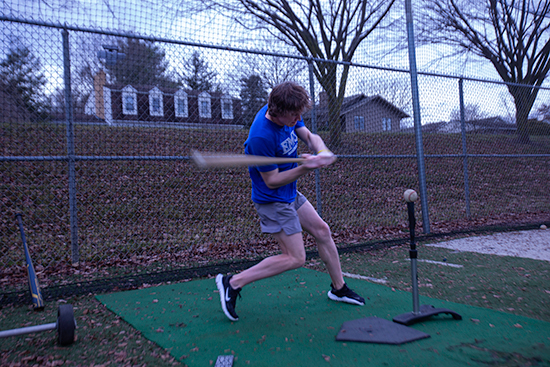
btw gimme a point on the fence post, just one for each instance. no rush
(417, 122)
(464, 146)
(70, 146)
(314, 130)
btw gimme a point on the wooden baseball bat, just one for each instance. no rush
(37, 300)
(220, 160)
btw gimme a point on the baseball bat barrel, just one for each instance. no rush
(37, 300)
(220, 160)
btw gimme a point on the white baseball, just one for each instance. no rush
(410, 196)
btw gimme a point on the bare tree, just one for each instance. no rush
(472, 113)
(280, 69)
(273, 69)
(325, 31)
(512, 35)
(543, 112)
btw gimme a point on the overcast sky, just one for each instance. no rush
(165, 19)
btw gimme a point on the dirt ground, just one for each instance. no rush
(534, 244)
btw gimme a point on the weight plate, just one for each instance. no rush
(66, 324)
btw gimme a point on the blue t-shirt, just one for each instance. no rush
(271, 140)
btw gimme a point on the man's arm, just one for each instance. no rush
(274, 179)
(314, 142)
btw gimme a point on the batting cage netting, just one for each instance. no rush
(102, 103)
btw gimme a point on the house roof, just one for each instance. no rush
(360, 100)
(353, 102)
(495, 124)
(492, 122)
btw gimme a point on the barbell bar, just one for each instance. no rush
(65, 326)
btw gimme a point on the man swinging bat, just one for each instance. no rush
(284, 212)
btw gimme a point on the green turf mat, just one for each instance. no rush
(288, 320)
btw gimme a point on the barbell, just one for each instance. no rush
(65, 326)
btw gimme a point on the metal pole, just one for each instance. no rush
(464, 146)
(70, 147)
(413, 254)
(314, 130)
(28, 330)
(417, 122)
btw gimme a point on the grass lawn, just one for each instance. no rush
(513, 285)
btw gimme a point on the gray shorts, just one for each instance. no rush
(277, 217)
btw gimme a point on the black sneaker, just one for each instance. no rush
(228, 296)
(345, 295)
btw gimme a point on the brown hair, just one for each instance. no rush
(288, 97)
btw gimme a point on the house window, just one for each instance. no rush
(156, 107)
(205, 110)
(129, 101)
(181, 106)
(386, 124)
(359, 122)
(227, 108)
(130, 104)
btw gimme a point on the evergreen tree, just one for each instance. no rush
(144, 64)
(23, 79)
(199, 77)
(253, 97)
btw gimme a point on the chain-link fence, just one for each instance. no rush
(97, 128)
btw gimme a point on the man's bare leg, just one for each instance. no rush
(314, 225)
(293, 256)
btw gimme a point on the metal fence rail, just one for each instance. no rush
(102, 193)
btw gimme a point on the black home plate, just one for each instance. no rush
(377, 330)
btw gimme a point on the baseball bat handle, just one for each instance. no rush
(22, 232)
(37, 300)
